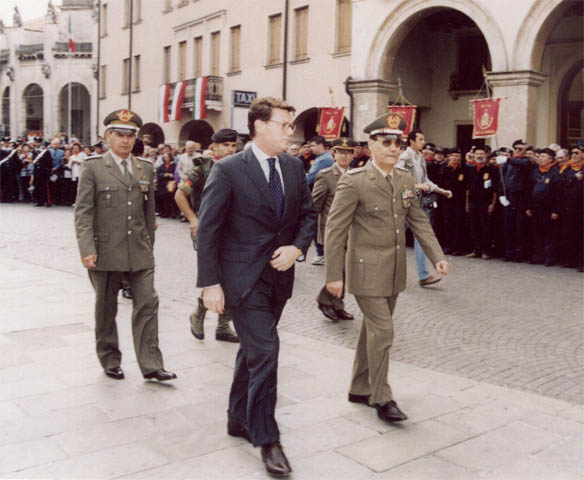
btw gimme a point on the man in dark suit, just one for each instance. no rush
(256, 218)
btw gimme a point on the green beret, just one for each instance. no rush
(344, 143)
(123, 119)
(388, 124)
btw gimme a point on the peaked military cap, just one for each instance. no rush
(224, 135)
(454, 150)
(548, 151)
(439, 150)
(504, 150)
(123, 119)
(430, 146)
(518, 142)
(388, 124)
(344, 143)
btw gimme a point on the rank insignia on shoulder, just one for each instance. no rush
(401, 169)
(353, 171)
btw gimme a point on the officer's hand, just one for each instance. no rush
(491, 208)
(335, 288)
(194, 224)
(528, 213)
(284, 257)
(213, 299)
(443, 267)
(90, 261)
(555, 216)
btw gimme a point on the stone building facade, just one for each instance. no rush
(36, 68)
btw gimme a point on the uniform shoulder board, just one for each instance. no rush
(326, 170)
(147, 160)
(402, 169)
(353, 171)
(93, 157)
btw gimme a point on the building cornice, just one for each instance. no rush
(513, 78)
(372, 86)
(206, 18)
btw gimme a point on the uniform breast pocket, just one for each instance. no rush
(105, 194)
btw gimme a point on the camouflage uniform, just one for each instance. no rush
(192, 187)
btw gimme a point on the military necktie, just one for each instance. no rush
(127, 174)
(276, 189)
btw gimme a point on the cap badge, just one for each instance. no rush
(393, 121)
(124, 115)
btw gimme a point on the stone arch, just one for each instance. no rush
(5, 120)
(307, 124)
(401, 19)
(80, 111)
(534, 32)
(566, 78)
(33, 107)
(154, 131)
(198, 131)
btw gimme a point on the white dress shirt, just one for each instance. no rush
(265, 166)
(385, 174)
(118, 161)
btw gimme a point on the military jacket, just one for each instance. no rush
(545, 190)
(115, 219)
(323, 194)
(193, 185)
(480, 183)
(371, 211)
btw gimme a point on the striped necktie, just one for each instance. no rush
(276, 189)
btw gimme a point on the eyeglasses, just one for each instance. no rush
(285, 125)
(575, 152)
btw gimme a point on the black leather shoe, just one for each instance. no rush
(160, 375)
(127, 293)
(275, 461)
(364, 399)
(236, 429)
(226, 337)
(114, 372)
(329, 312)
(343, 315)
(390, 412)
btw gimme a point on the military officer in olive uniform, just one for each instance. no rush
(188, 198)
(368, 218)
(115, 223)
(322, 198)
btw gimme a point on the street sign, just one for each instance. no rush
(241, 98)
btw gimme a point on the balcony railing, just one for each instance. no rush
(82, 49)
(4, 56)
(213, 95)
(35, 51)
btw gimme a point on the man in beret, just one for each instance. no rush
(115, 223)
(323, 194)
(365, 242)
(188, 199)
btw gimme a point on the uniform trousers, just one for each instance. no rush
(478, 213)
(514, 220)
(454, 217)
(252, 400)
(144, 318)
(543, 230)
(41, 189)
(371, 364)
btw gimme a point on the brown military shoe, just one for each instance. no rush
(429, 281)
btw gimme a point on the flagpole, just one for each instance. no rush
(69, 89)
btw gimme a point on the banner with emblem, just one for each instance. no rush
(485, 117)
(331, 121)
(408, 112)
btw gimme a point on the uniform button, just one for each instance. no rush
(130, 203)
(375, 208)
(129, 232)
(397, 231)
(130, 189)
(395, 215)
(361, 260)
(107, 188)
(129, 217)
(394, 200)
(398, 247)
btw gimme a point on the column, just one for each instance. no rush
(370, 100)
(518, 110)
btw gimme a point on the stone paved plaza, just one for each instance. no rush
(487, 364)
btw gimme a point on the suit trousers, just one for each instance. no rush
(371, 364)
(144, 318)
(478, 213)
(252, 399)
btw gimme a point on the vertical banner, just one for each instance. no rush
(331, 120)
(408, 112)
(163, 103)
(177, 101)
(485, 114)
(199, 107)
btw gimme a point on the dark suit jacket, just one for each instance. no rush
(238, 229)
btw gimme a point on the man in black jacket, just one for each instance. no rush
(256, 218)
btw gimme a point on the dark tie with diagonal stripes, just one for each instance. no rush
(127, 174)
(276, 189)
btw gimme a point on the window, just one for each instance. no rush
(126, 76)
(275, 39)
(344, 26)
(166, 65)
(137, 11)
(215, 53)
(136, 72)
(198, 60)
(182, 60)
(102, 81)
(301, 33)
(235, 48)
(103, 19)
(127, 12)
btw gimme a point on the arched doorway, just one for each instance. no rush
(33, 108)
(154, 131)
(80, 111)
(439, 85)
(197, 131)
(571, 104)
(307, 124)
(5, 127)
